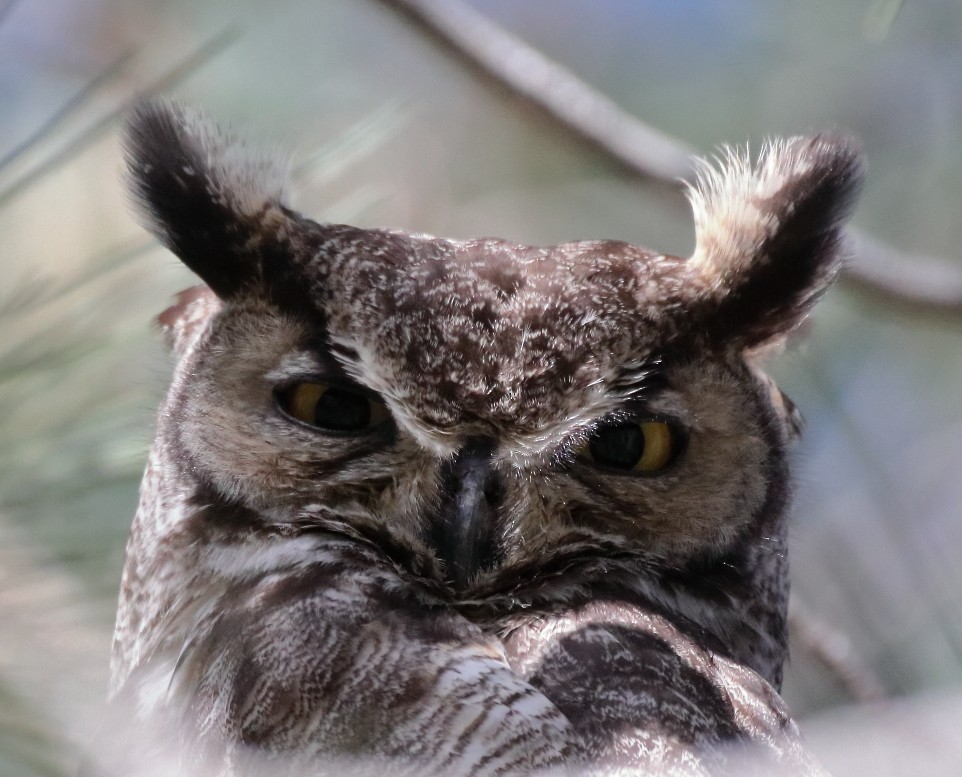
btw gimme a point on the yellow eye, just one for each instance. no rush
(639, 446)
(332, 408)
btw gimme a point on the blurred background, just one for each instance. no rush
(385, 128)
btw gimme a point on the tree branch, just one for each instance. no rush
(921, 284)
(540, 83)
(916, 283)
(832, 648)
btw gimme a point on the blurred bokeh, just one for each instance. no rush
(385, 129)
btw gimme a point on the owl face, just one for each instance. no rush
(477, 425)
(485, 412)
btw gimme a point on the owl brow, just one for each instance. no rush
(309, 361)
(637, 381)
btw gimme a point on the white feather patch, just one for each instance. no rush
(732, 204)
(240, 177)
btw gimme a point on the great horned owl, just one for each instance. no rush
(442, 507)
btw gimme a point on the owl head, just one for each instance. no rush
(509, 424)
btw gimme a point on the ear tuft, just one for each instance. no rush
(769, 237)
(202, 192)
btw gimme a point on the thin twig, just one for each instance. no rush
(832, 648)
(878, 21)
(191, 63)
(924, 284)
(74, 102)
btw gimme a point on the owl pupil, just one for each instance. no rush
(342, 411)
(618, 446)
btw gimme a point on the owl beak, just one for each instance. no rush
(471, 494)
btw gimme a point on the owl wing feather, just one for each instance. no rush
(337, 667)
(660, 702)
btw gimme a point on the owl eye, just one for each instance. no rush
(333, 408)
(638, 446)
